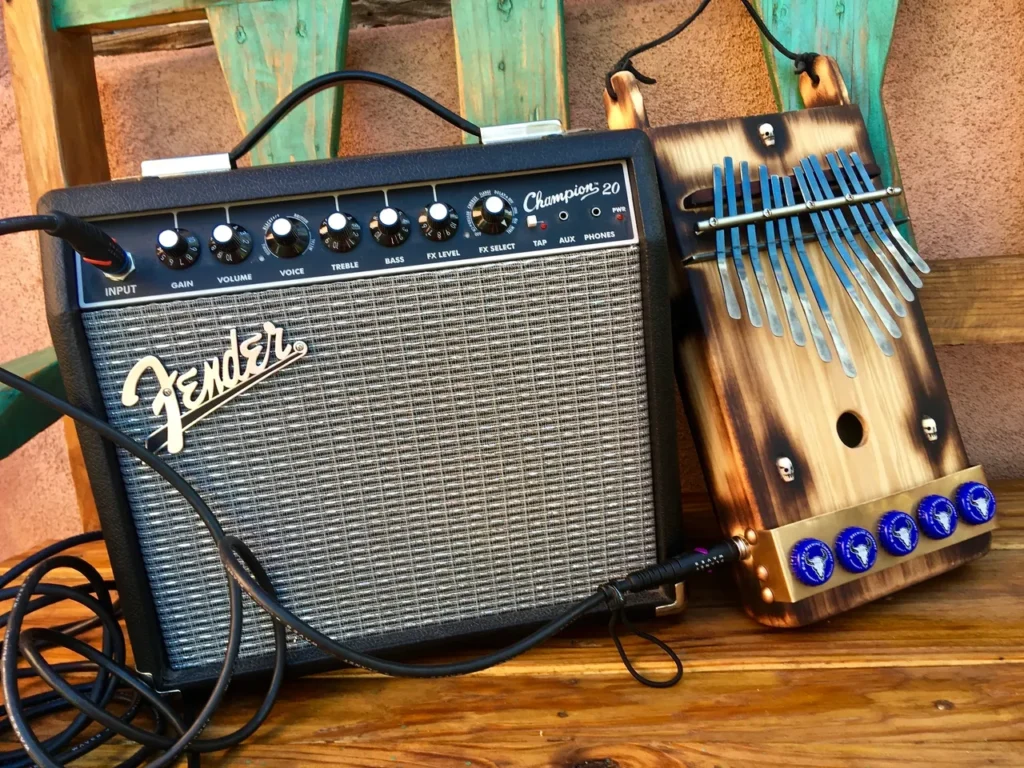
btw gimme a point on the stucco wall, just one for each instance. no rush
(957, 122)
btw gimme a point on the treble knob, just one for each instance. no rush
(439, 221)
(492, 215)
(230, 244)
(177, 248)
(340, 232)
(390, 227)
(287, 237)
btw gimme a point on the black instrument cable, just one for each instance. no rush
(802, 62)
(172, 736)
(317, 84)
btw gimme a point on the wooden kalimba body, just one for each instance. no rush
(805, 363)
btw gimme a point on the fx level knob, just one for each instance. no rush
(287, 237)
(230, 244)
(177, 248)
(390, 227)
(492, 214)
(439, 221)
(340, 232)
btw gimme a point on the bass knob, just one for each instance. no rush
(390, 227)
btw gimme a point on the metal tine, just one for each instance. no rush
(845, 360)
(737, 250)
(865, 231)
(837, 266)
(820, 188)
(920, 263)
(772, 196)
(876, 225)
(795, 328)
(755, 257)
(732, 305)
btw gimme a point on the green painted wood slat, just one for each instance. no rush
(22, 418)
(102, 13)
(511, 61)
(266, 50)
(858, 35)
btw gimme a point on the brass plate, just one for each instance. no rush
(773, 547)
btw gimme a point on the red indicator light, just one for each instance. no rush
(620, 217)
(543, 225)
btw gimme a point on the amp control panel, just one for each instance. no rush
(325, 237)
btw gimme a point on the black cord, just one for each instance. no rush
(802, 61)
(246, 572)
(314, 86)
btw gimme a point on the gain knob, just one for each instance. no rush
(438, 221)
(340, 232)
(230, 244)
(492, 215)
(287, 237)
(390, 227)
(177, 248)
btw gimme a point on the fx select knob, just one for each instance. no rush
(177, 248)
(287, 237)
(492, 215)
(230, 244)
(439, 221)
(390, 227)
(340, 232)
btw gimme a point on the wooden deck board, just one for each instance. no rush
(933, 676)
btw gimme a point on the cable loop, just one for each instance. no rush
(613, 623)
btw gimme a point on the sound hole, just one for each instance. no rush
(850, 429)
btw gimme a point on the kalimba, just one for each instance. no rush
(822, 421)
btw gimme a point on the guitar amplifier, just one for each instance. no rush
(432, 391)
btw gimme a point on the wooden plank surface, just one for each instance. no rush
(511, 61)
(268, 49)
(21, 418)
(118, 14)
(932, 676)
(857, 34)
(975, 300)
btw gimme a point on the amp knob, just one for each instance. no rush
(230, 244)
(492, 215)
(340, 232)
(177, 248)
(287, 237)
(439, 221)
(390, 227)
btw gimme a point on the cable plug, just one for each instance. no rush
(94, 245)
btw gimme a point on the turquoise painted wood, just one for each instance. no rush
(267, 49)
(511, 60)
(21, 418)
(858, 35)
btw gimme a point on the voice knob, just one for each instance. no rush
(439, 221)
(177, 248)
(287, 237)
(230, 244)
(340, 232)
(492, 215)
(390, 227)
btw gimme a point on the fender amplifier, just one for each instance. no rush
(432, 391)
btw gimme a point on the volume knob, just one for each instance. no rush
(340, 232)
(439, 221)
(177, 248)
(492, 215)
(287, 237)
(390, 227)
(230, 244)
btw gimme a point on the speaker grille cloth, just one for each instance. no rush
(456, 443)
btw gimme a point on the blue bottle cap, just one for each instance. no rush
(856, 549)
(898, 533)
(937, 516)
(975, 503)
(812, 562)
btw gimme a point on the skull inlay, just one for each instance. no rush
(785, 467)
(931, 429)
(767, 134)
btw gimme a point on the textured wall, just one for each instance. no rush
(958, 125)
